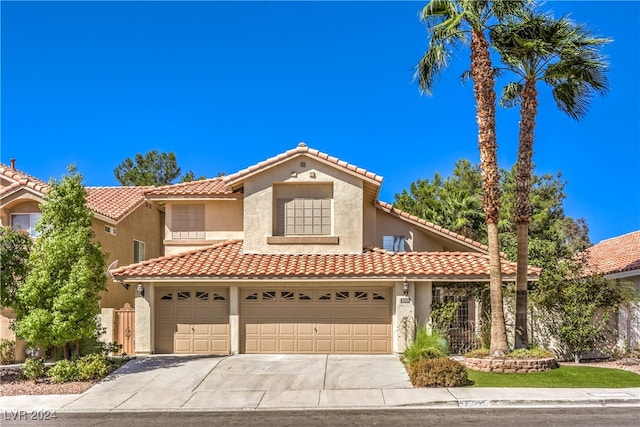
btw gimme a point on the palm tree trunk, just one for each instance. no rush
(528, 113)
(483, 88)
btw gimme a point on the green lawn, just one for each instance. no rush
(563, 377)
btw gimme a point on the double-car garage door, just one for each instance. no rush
(275, 320)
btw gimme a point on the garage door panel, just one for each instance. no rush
(287, 345)
(305, 345)
(380, 330)
(361, 346)
(379, 346)
(328, 321)
(324, 346)
(323, 329)
(305, 329)
(287, 329)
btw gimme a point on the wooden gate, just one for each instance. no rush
(126, 326)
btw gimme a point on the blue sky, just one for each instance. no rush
(225, 85)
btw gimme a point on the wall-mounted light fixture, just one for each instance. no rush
(405, 287)
(125, 285)
(140, 290)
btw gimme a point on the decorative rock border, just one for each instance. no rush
(510, 366)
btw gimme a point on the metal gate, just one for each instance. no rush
(126, 321)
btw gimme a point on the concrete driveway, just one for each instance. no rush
(243, 381)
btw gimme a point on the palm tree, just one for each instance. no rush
(537, 47)
(450, 23)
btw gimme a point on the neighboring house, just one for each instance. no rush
(294, 255)
(127, 226)
(618, 259)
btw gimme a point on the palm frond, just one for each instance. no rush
(511, 95)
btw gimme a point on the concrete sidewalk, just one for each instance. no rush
(323, 399)
(269, 382)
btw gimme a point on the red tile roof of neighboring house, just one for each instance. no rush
(205, 187)
(301, 149)
(21, 179)
(227, 261)
(430, 226)
(114, 203)
(616, 255)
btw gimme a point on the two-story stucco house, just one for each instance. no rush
(128, 227)
(293, 255)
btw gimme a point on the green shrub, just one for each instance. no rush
(92, 367)
(7, 351)
(530, 353)
(426, 346)
(33, 369)
(440, 372)
(64, 371)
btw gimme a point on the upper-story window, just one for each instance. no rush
(187, 222)
(306, 217)
(393, 243)
(26, 222)
(138, 251)
(303, 209)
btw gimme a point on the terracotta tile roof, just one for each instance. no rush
(227, 261)
(115, 202)
(205, 187)
(431, 226)
(21, 180)
(616, 255)
(301, 149)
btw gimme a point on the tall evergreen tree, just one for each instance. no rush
(59, 301)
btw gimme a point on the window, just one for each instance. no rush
(393, 243)
(26, 222)
(138, 251)
(109, 229)
(187, 222)
(304, 217)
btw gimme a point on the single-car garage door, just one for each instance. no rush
(346, 320)
(192, 321)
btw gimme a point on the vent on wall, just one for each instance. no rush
(109, 229)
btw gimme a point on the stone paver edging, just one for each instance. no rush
(509, 366)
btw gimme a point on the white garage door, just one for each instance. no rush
(192, 321)
(347, 320)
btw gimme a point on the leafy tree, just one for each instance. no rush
(58, 303)
(190, 176)
(453, 203)
(537, 47)
(152, 168)
(580, 304)
(14, 253)
(449, 23)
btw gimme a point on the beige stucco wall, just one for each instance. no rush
(222, 221)
(416, 238)
(143, 224)
(7, 315)
(347, 207)
(25, 203)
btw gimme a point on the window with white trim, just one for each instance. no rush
(138, 251)
(26, 222)
(187, 222)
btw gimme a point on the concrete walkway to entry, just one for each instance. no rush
(241, 382)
